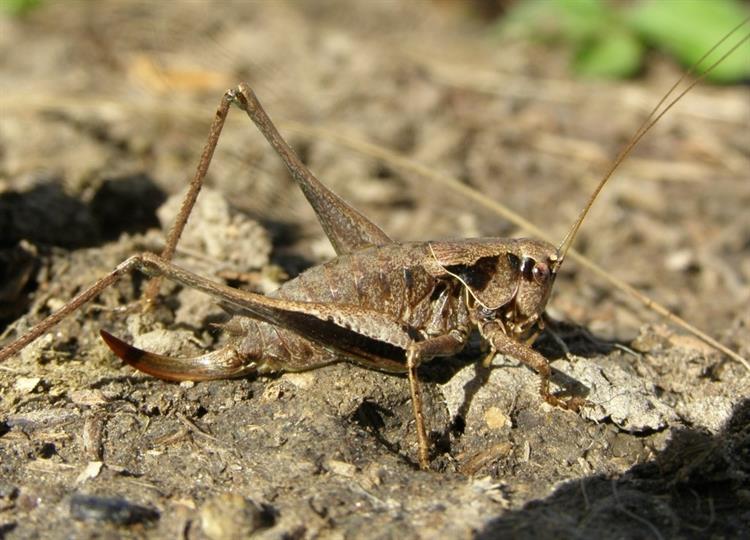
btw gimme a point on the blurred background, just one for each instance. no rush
(105, 108)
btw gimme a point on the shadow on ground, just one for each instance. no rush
(693, 489)
(45, 214)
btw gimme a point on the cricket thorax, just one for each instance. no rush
(387, 279)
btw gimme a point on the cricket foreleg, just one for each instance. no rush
(418, 352)
(505, 345)
(346, 228)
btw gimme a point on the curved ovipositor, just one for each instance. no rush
(219, 364)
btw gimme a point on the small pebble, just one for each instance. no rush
(91, 471)
(230, 516)
(341, 468)
(26, 385)
(495, 418)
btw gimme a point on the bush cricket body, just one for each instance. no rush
(380, 304)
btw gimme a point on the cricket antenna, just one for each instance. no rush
(650, 121)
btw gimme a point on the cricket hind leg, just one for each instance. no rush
(346, 228)
(225, 362)
(188, 202)
(148, 263)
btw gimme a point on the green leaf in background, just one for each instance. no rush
(616, 55)
(604, 47)
(18, 8)
(609, 39)
(584, 19)
(537, 20)
(687, 29)
(555, 20)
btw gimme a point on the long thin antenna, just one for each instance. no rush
(650, 121)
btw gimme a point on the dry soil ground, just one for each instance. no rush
(104, 111)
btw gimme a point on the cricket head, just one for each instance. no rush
(507, 282)
(537, 264)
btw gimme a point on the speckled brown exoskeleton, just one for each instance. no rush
(379, 304)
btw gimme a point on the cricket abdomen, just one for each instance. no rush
(272, 349)
(268, 348)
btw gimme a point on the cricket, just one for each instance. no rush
(380, 304)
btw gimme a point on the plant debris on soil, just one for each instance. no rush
(104, 112)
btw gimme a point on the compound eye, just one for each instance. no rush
(540, 273)
(527, 266)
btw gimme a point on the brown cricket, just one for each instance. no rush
(379, 304)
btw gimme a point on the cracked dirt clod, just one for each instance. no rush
(628, 401)
(226, 237)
